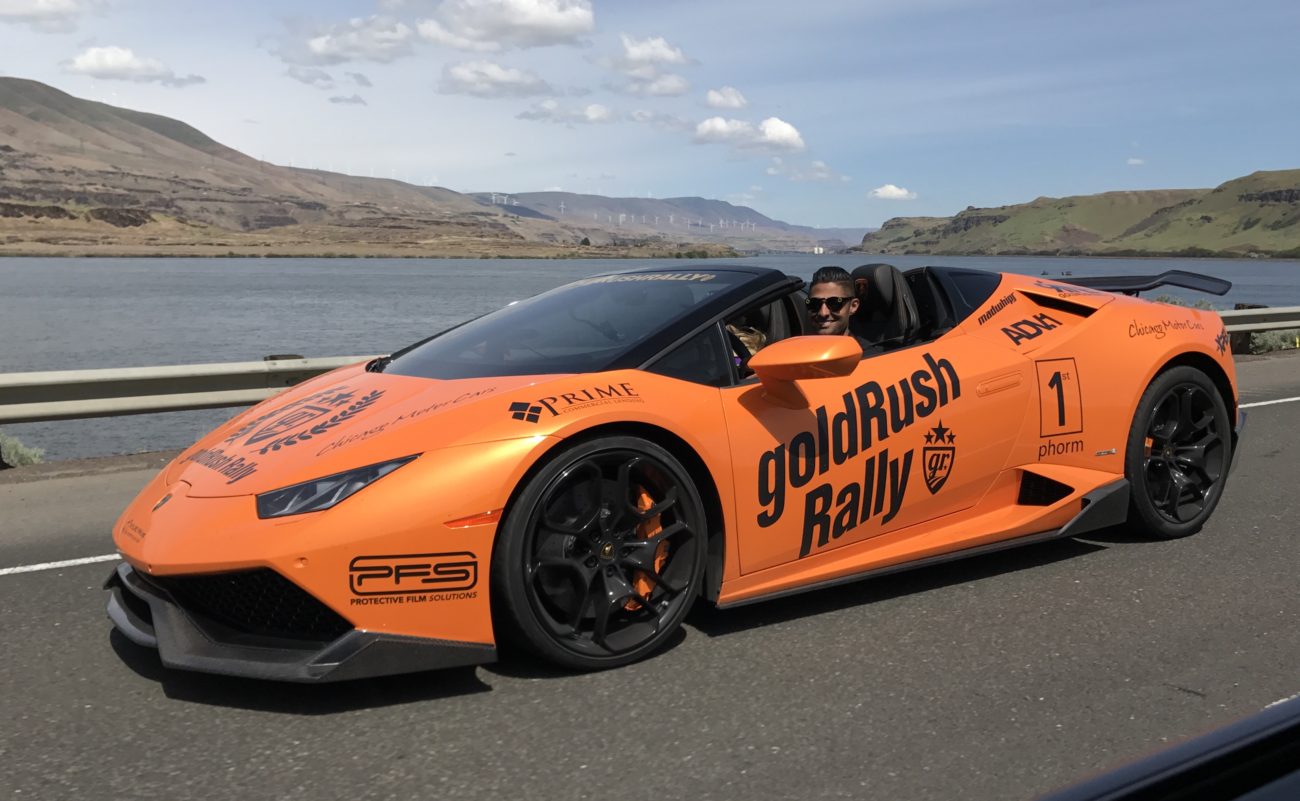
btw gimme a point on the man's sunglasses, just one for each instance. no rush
(834, 304)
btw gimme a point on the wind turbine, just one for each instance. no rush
(561, 206)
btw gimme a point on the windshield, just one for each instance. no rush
(585, 326)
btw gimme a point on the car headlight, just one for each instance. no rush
(322, 493)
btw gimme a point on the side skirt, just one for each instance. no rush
(1103, 507)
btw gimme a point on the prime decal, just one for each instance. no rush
(565, 402)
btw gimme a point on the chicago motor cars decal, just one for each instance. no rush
(1160, 328)
(865, 417)
(414, 414)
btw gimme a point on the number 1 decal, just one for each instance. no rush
(1060, 403)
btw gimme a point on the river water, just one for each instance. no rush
(69, 314)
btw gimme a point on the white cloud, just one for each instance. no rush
(551, 111)
(669, 85)
(1135, 162)
(891, 192)
(654, 50)
(815, 171)
(726, 97)
(659, 119)
(120, 64)
(490, 25)
(776, 132)
(351, 100)
(772, 133)
(487, 79)
(311, 76)
(359, 79)
(642, 60)
(375, 38)
(46, 16)
(717, 129)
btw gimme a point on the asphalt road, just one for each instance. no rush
(1001, 677)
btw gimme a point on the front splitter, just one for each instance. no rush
(149, 616)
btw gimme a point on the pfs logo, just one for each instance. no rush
(406, 574)
(937, 457)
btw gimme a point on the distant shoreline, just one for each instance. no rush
(596, 253)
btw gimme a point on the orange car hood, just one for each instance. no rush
(342, 420)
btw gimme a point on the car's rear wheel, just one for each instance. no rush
(1179, 451)
(601, 555)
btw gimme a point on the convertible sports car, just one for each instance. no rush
(571, 473)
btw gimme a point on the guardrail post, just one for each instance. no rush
(1240, 340)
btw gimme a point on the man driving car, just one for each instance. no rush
(831, 301)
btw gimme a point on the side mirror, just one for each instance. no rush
(782, 363)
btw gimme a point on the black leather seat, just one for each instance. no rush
(886, 315)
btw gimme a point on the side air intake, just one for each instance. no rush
(1035, 490)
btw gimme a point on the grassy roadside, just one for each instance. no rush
(15, 454)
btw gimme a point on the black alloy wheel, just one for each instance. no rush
(1179, 452)
(601, 555)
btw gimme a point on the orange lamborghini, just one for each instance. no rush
(571, 473)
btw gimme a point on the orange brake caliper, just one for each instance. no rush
(646, 529)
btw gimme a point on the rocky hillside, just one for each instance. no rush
(1258, 214)
(81, 177)
(694, 217)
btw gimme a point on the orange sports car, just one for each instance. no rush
(571, 473)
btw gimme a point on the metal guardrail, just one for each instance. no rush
(73, 394)
(1250, 320)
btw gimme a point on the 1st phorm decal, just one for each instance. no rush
(865, 417)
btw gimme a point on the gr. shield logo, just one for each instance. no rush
(296, 418)
(938, 456)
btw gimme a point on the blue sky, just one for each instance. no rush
(821, 113)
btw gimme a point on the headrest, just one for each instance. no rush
(883, 280)
(886, 312)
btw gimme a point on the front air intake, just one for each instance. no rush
(260, 602)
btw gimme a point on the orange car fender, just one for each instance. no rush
(689, 414)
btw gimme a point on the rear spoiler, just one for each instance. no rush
(1133, 284)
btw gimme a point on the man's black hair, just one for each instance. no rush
(833, 275)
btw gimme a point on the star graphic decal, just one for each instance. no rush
(941, 434)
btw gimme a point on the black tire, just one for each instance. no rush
(583, 577)
(1178, 454)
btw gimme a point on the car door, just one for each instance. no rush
(911, 435)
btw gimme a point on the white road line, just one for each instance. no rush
(1269, 403)
(108, 557)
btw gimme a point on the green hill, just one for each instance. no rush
(1258, 214)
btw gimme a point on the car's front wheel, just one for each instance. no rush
(1179, 452)
(601, 554)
